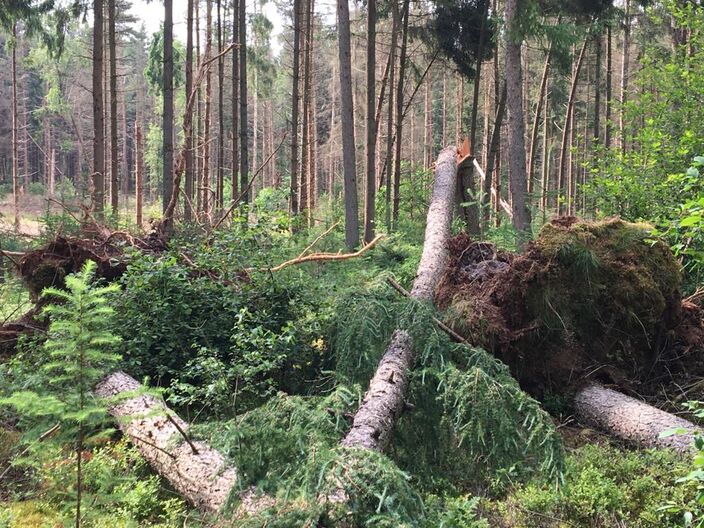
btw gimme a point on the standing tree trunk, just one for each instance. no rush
(609, 73)
(347, 118)
(597, 90)
(624, 75)
(514, 103)
(205, 175)
(235, 100)
(15, 139)
(396, 191)
(138, 173)
(374, 421)
(295, 97)
(244, 153)
(188, 139)
(494, 143)
(536, 118)
(168, 117)
(370, 193)
(114, 184)
(471, 213)
(221, 116)
(98, 175)
(391, 108)
(305, 136)
(545, 169)
(564, 148)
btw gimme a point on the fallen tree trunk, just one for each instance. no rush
(631, 419)
(198, 472)
(374, 422)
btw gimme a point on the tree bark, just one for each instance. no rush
(205, 175)
(202, 475)
(221, 117)
(370, 193)
(396, 191)
(15, 137)
(347, 118)
(98, 174)
(564, 148)
(514, 103)
(244, 153)
(188, 139)
(112, 44)
(388, 166)
(631, 419)
(138, 173)
(235, 102)
(168, 115)
(536, 118)
(609, 72)
(624, 75)
(373, 424)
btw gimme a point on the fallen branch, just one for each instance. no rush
(383, 403)
(321, 257)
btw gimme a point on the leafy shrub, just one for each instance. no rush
(36, 189)
(210, 339)
(603, 486)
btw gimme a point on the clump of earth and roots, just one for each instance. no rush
(270, 368)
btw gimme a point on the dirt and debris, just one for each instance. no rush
(598, 300)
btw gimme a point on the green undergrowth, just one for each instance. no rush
(604, 486)
(467, 424)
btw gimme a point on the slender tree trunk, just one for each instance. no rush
(188, 139)
(305, 136)
(15, 140)
(597, 90)
(459, 114)
(471, 213)
(347, 118)
(98, 175)
(624, 75)
(609, 73)
(197, 145)
(536, 119)
(545, 162)
(428, 123)
(492, 176)
(244, 153)
(205, 176)
(138, 173)
(390, 114)
(564, 148)
(114, 169)
(221, 115)
(295, 98)
(370, 194)
(514, 103)
(235, 100)
(168, 115)
(396, 191)
(125, 149)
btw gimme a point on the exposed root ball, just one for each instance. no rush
(593, 299)
(49, 265)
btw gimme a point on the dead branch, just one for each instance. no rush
(321, 257)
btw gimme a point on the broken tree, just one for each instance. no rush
(374, 422)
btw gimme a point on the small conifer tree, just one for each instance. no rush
(78, 353)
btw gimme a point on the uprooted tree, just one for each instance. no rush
(585, 305)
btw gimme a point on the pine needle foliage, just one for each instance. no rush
(468, 407)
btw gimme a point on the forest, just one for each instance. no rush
(382, 263)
